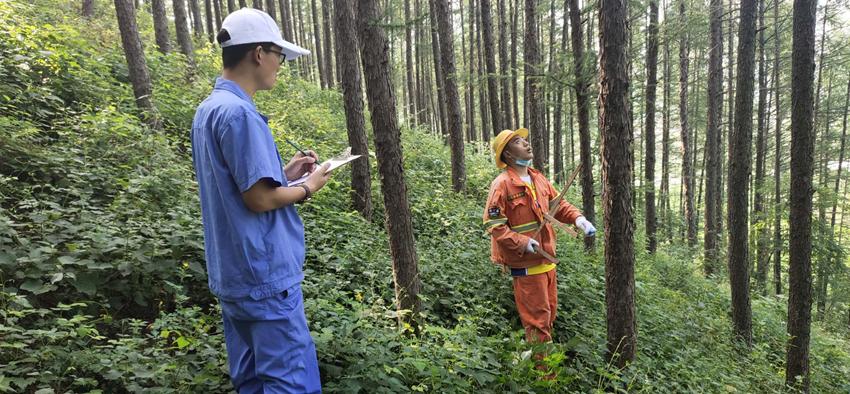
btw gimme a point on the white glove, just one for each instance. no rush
(532, 244)
(586, 226)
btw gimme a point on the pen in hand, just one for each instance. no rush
(295, 146)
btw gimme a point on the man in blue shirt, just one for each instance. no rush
(253, 236)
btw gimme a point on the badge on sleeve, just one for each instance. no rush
(494, 212)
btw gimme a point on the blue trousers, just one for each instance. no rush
(269, 348)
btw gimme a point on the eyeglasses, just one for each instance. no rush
(279, 54)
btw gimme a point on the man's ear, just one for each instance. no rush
(255, 54)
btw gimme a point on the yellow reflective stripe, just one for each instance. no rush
(489, 224)
(539, 269)
(524, 228)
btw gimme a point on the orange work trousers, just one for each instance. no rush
(536, 299)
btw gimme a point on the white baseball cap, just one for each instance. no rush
(249, 25)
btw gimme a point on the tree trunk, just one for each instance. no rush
(452, 101)
(231, 6)
(136, 65)
(802, 189)
(514, 49)
(649, 134)
(715, 104)
(665, 140)
(329, 57)
(687, 169)
(583, 79)
(442, 116)
(160, 26)
(408, 58)
(758, 199)
(181, 24)
(507, 117)
(379, 90)
(320, 56)
(490, 63)
(480, 82)
(470, 63)
(197, 24)
(208, 11)
(739, 170)
(822, 280)
(346, 39)
(840, 156)
(730, 116)
(87, 9)
(419, 64)
(270, 9)
(285, 20)
(558, 167)
(258, 4)
(217, 13)
(616, 178)
(534, 97)
(777, 169)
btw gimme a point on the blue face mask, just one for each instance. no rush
(523, 163)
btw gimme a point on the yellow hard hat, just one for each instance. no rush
(502, 140)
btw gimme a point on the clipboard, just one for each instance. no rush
(335, 162)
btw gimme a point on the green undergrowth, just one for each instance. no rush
(103, 278)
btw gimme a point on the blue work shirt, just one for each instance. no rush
(248, 254)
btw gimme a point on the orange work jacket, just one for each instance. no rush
(512, 215)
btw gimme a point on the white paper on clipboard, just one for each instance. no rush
(338, 161)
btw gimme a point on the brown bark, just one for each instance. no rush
(87, 10)
(419, 64)
(197, 24)
(822, 280)
(557, 119)
(160, 26)
(739, 170)
(470, 92)
(181, 24)
(514, 49)
(649, 134)
(410, 109)
(507, 116)
(687, 169)
(715, 104)
(497, 123)
(840, 155)
(285, 20)
(217, 13)
(379, 91)
(270, 9)
(442, 117)
(479, 82)
(320, 55)
(346, 39)
(329, 57)
(730, 115)
(802, 189)
(758, 199)
(534, 96)
(665, 141)
(451, 96)
(208, 11)
(136, 65)
(616, 178)
(777, 198)
(582, 84)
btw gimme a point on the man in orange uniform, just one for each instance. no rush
(518, 198)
